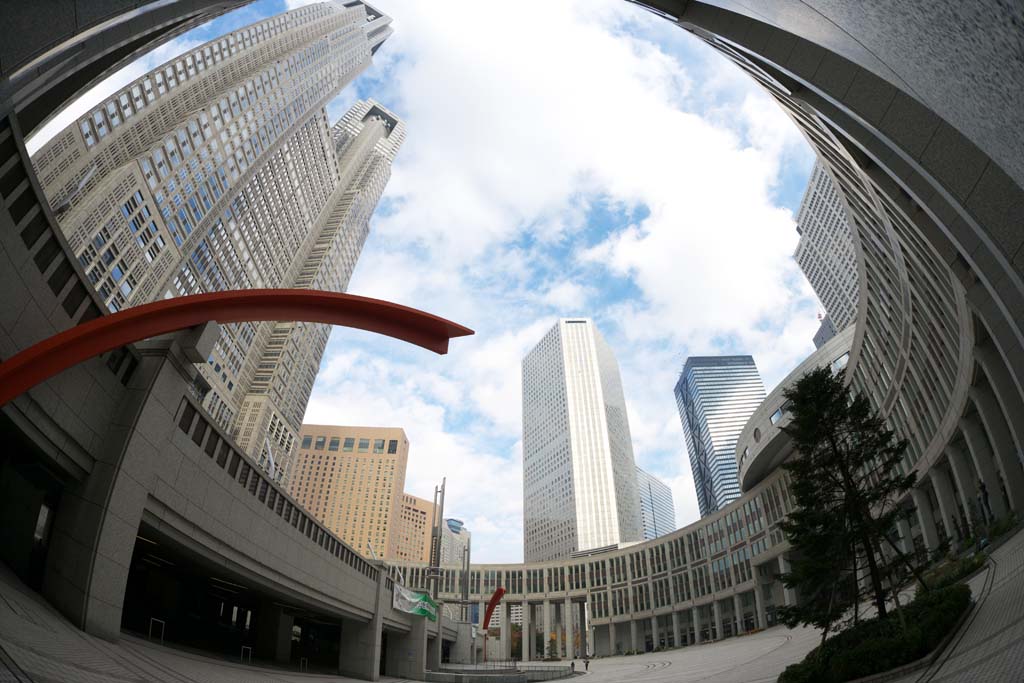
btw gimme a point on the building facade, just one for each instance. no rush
(219, 170)
(351, 479)
(825, 252)
(412, 532)
(715, 396)
(579, 476)
(455, 538)
(657, 510)
(826, 330)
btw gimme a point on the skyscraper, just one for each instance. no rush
(219, 170)
(413, 529)
(825, 251)
(826, 330)
(579, 477)
(657, 511)
(351, 479)
(454, 540)
(716, 395)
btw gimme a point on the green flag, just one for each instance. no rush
(412, 602)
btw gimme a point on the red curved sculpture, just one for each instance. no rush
(61, 351)
(495, 599)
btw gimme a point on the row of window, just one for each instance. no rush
(349, 445)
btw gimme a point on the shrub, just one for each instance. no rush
(880, 645)
(1001, 526)
(951, 572)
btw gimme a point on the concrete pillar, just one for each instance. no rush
(481, 612)
(1003, 444)
(788, 594)
(558, 623)
(925, 518)
(966, 479)
(570, 630)
(527, 639)
(1011, 402)
(737, 610)
(273, 633)
(947, 501)
(406, 655)
(655, 633)
(506, 630)
(977, 445)
(717, 611)
(634, 638)
(612, 639)
(906, 542)
(762, 617)
(546, 621)
(676, 635)
(360, 647)
(695, 617)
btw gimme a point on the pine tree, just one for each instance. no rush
(845, 479)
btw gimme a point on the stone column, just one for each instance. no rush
(977, 444)
(570, 630)
(558, 622)
(1005, 391)
(273, 633)
(1003, 444)
(506, 630)
(697, 626)
(527, 639)
(546, 609)
(634, 640)
(613, 644)
(677, 640)
(925, 518)
(966, 479)
(717, 612)
(737, 610)
(655, 635)
(947, 502)
(762, 617)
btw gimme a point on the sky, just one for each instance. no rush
(563, 158)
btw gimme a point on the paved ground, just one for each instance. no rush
(37, 644)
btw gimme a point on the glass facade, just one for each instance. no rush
(657, 510)
(716, 395)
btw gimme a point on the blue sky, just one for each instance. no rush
(563, 159)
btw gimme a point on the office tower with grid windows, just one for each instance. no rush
(219, 170)
(351, 479)
(825, 252)
(716, 395)
(657, 510)
(412, 532)
(579, 476)
(454, 541)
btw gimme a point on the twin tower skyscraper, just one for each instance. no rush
(220, 170)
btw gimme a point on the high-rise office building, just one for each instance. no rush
(579, 477)
(454, 541)
(412, 532)
(351, 479)
(716, 395)
(657, 511)
(825, 251)
(219, 170)
(826, 330)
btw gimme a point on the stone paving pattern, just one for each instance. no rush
(38, 644)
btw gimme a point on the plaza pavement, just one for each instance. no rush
(38, 644)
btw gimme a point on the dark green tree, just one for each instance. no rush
(846, 480)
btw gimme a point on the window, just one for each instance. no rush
(307, 441)
(333, 446)
(392, 446)
(378, 445)
(776, 416)
(320, 440)
(364, 445)
(349, 443)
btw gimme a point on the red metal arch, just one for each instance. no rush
(62, 351)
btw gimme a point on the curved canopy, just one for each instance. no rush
(61, 351)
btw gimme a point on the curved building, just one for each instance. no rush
(914, 109)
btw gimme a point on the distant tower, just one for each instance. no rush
(825, 251)
(579, 477)
(716, 395)
(657, 511)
